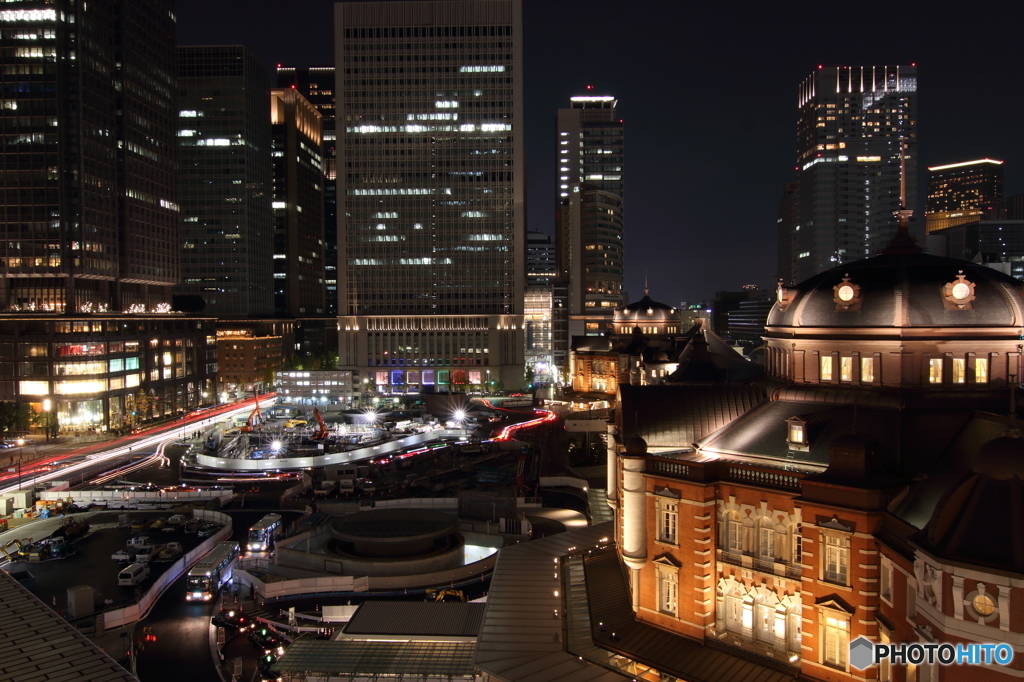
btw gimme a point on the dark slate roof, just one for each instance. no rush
(439, 619)
(679, 415)
(38, 644)
(608, 596)
(913, 280)
(646, 310)
(707, 358)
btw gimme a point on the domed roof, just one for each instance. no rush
(905, 289)
(1001, 458)
(646, 310)
(980, 519)
(635, 445)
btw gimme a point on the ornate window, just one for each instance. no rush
(958, 294)
(935, 370)
(981, 370)
(668, 584)
(846, 369)
(867, 370)
(766, 541)
(826, 368)
(982, 604)
(668, 520)
(846, 295)
(959, 370)
(734, 533)
(837, 557)
(835, 639)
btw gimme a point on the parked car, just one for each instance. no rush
(192, 525)
(157, 524)
(208, 530)
(264, 638)
(172, 551)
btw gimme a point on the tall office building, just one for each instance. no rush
(316, 84)
(298, 204)
(90, 220)
(590, 192)
(90, 216)
(224, 153)
(541, 265)
(962, 193)
(856, 128)
(431, 247)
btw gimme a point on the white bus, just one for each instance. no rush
(213, 570)
(263, 535)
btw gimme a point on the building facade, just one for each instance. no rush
(431, 208)
(962, 193)
(996, 243)
(589, 152)
(840, 496)
(856, 130)
(63, 249)
(247, 361)
(298, 202)
(90, 221)
(312, 387)
(316, 84)
(224, 146)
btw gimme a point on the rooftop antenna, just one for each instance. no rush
(647, 289)
(902, 242)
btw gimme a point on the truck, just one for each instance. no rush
(126, 555)
(172, 551)
(346, 485)
(365, 485)
(325, 488)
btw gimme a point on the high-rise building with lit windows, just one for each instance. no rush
(90, 210)
(431, 236)
(590, 192)
(89, 224)
(224, 144)
(298, 204)
(856, 128)
(316, 84)
(963, 192)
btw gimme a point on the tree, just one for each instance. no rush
(47, 421)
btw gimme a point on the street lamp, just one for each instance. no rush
(21, 444)
(47, 406)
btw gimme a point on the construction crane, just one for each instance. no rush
(255, 419)
(321, 429)
(20, 544)
(439, 595)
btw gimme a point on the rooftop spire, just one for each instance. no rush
(647, 289)
(902, 242)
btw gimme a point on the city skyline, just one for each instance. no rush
(682, 184)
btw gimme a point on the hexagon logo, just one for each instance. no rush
(862, 653)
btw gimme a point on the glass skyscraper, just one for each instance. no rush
(590, 191)
(316, 84)
(963, 192)
(226, 188)
(431, 238)
(856, 128)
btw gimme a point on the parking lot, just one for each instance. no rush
(92, 565)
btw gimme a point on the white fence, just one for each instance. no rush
(420, 503)
(126, 498)
(563, 482)
(303, 586)
(332, 458)
(136, 612)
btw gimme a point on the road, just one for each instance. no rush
(103, 456)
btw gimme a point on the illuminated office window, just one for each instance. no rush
(935, 371)
(959, 370)
(826, 368)
(867, 370)
(981, 370)
(846, 369)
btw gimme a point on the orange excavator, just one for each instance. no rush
(321, 432)
(255, 419)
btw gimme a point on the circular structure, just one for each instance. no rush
(391, 533)
(902, 290)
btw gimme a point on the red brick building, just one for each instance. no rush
(868, 485)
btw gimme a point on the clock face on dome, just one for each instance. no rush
(845, 293)
(961, 291)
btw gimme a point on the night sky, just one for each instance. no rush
(708, 94)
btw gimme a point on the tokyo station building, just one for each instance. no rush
(869, 484)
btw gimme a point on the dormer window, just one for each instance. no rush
(958, 294)
(797, 433)
(846, 295)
